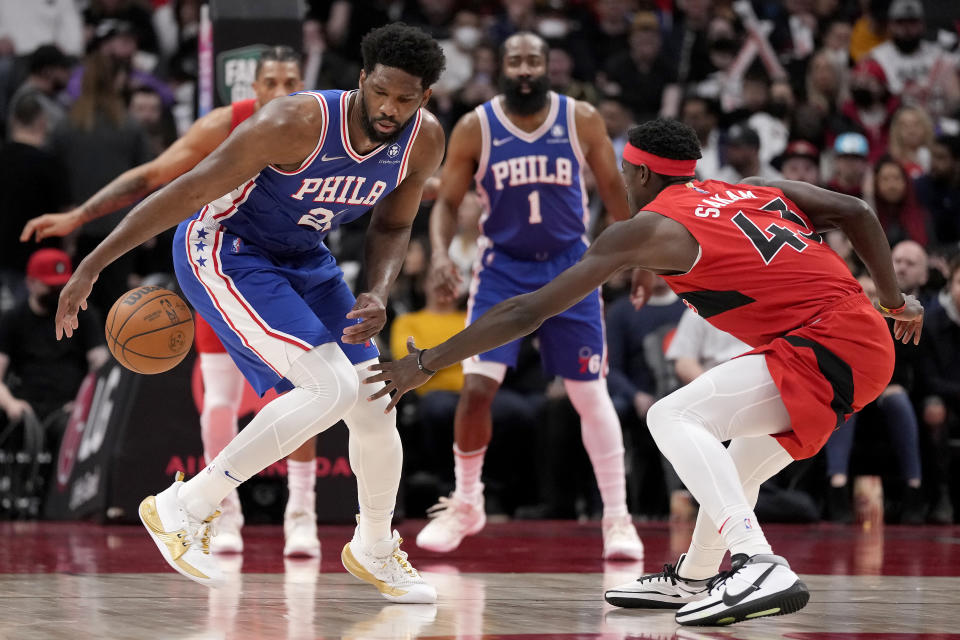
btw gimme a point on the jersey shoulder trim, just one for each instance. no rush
(484, 143)
(410, 142)
(537, 133)
(323, 136)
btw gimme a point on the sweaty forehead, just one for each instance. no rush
(523, 45)
(394, 80)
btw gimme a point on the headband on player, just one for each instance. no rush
(663, 166)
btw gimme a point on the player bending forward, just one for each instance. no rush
(749, 259)
(253, 263)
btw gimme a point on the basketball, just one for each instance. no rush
(149, 329)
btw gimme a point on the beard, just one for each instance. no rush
(366, 122)
(907, 45)
(525, 104)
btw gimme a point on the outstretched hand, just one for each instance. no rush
(73, 298)
(51, 225)
(907, 324)
(400, 375)
(372, 313)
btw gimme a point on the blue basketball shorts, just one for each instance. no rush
(573, 343)
(267, 310)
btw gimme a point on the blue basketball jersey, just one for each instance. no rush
(532, 183)
(289, 212)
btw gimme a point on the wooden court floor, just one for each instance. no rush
(528, 580)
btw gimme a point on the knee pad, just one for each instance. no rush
(328, 376)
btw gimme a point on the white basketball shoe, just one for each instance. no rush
(300, 534)
(663, 590)
(383, 565)
(228, 538)
(451, 520)
(620, 539)
(756, 586)
(183, 539)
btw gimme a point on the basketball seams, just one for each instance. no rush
(163, 293)
(120, 344)
(146, 333)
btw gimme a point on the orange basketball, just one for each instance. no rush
(149, 329)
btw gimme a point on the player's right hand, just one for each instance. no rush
(73, 298)
(444, 278)
(907, 324)
(51, 225)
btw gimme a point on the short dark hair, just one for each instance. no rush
(669, 139)
(47, 56)
(710, 104)
(951, 142)
(403, 47)
(27, 109)
(278, 53)
(543, 44)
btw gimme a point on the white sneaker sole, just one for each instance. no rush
(167, 543)
(302, 550)
(623, 553)
(414, 594)
(789, 600)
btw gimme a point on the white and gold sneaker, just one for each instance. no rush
(183, 540)
(228, 539)
(300, 534)
(383, 565)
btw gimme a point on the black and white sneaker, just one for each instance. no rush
(663, 590)
(756, 586)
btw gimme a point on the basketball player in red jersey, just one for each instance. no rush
(750, 260)
(278, 74)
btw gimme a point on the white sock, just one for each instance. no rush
(222, 393)
(603, 440)
(326, 387)
(301, 484)
(467, 467)
(376, 457)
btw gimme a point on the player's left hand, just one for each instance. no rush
(908, 324)
(373, 315)
(641, 286)
(400, 376)
(73, 298)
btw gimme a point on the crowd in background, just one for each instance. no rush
(860, 96)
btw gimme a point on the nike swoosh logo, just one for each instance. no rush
(731, 600)
(497, 142)
(327, 158)
(227, 473)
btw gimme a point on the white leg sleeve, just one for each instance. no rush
(603, 440)
(376, 457)
(733, 400)
(222, 393)
(325, 389)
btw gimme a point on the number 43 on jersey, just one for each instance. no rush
(775, 237)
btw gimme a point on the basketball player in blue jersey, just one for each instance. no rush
(253, 264)
(527, 150)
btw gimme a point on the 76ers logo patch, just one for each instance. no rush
(589, 361)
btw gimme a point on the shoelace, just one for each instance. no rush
(205, 530)
(717, 581)
(401, 558)
(668, 573)
(445, 507)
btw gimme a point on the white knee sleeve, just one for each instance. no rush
(222, 393)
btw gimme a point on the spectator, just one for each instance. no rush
(483, 85)
(31, 182)
(894, 407)
(918, 71)
(464, 248)
(146, 109)
(48, 71)
(24, 26)
(850, 164)
(610, 31)
(517, 15)
(465, 35)
(896, 204)
(643, 75)
(560, 72)
(911, 133)
(97, 142)
(800, 161)
(772, 122)
(743, 157)
(826, 83)
(939, 190)
(940, 348)
(870, 29)
(836, 42)
(133, 13)
(688, 41)
(703, 116)
(38, 373)
(323, 67)
(617, 117)
(870, 107)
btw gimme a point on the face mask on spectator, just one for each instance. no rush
(778, 108)
(553, 28)
(467, 37)
(863, 97)
(907, 44)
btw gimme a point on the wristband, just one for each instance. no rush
(894, 311)
(420, 366)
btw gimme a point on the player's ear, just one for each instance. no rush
(426, 97)
(643, 174)
(363, 77)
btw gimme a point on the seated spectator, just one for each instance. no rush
(560, 72)
(939, 190)
(800, 161)
(39, 374)
(826, 83)
(894, 406)
(911, 134)
(940, 349)
(870, 108)
(618, 119)
(743, 157)
(49, 70)
(896, 205)
(703, 116)
(919, 72)
(772, 122)
(850, 164)
(31, 182)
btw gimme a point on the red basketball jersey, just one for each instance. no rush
(762, 270)
(240, 111)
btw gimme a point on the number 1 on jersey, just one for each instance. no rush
(534, 199)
